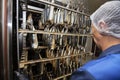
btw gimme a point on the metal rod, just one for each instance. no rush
(54, 33)
(9, 39)
(56, 5)
(35, 9)
(62, 76)
(39, 47)
(17, 24)
(50, 59)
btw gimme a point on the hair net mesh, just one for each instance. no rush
(110, 14)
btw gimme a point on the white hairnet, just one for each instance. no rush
(108, 13)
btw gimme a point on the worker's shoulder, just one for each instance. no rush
(108, 62)
(105, 68)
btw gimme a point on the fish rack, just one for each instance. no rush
(39, 8)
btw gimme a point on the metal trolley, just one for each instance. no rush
(44, 39)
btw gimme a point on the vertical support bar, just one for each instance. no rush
(17, 21)
(9, 38)
(24, 15)
(1, 40)
(6, 39)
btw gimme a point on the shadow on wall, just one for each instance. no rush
(92, 5)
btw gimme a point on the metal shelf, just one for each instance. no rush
(62, 76)
(35, 9)
(54, 33)
(59, 6)
(50, 59)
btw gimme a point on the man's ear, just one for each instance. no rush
(102, 25)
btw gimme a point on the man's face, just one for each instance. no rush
(96, 36)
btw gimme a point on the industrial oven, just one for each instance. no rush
(44, 39)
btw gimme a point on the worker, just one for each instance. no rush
(106, 34)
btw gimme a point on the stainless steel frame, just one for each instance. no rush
(6, 39)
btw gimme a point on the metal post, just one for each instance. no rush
(1, 40)
(17, 21)
(6, 39)
(9, 38)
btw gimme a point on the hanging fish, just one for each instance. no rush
(33, 37)
(61, 16)
(55, 16)
(58, 16)
(51, 15)
(66, 13)
(40, 25)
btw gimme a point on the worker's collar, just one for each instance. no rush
(111, 50)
